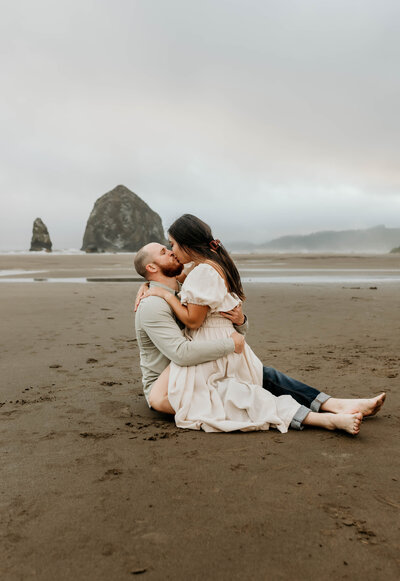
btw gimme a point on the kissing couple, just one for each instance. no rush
(195, 362)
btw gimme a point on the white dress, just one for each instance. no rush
(226, 394)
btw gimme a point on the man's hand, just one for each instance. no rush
(238, 339)
(140, 294)
(235, 315)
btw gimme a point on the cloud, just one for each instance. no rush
(230, 110)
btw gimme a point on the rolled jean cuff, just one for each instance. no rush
(299, 417)
(318, 401)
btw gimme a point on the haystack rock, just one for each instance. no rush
(40, 237)
(121, 222)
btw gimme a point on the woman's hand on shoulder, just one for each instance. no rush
(140, 294)
(156, 291)
(145, 291)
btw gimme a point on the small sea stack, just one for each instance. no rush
(40, 237)
(121, 222)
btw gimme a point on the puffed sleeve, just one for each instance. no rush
(203, 286)
(188, 267)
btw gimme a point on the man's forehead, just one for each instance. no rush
(154, 248)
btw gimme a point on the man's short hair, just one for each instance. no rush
(142, 259)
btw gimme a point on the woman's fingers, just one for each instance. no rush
(141, 294)
(137, 301)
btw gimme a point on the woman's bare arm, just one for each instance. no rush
(192, 316)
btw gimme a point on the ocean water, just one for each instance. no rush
(325, 279)
(67, 251)
(249, 276)
(320, 276)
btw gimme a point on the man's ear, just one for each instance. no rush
(151, 268)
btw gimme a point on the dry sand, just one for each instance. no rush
(95, 486)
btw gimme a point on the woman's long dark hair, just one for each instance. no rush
(194, 237)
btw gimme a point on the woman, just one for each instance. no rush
(226, 394)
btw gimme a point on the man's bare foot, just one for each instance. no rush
(348, 422)
(368, 407)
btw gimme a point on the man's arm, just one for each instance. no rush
(158, 322)
(243, 328)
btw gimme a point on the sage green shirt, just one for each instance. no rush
(161, 340)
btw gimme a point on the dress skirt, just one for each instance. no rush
(226, 395)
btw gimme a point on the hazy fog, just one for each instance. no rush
(263, 117)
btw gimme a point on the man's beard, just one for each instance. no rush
(171, 271)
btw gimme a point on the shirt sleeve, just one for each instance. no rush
(243, 329)
(159, 323)
(203, 286)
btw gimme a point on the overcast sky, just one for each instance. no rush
(263, 117)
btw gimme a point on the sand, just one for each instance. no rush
(95, 486)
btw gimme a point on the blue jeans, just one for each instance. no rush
(310, 398)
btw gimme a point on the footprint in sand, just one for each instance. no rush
(159, 436)
(96, 436)
(110, 383)
(112, 473)
(108, 549)
(115, 409)
(344, 518)
(11, 413)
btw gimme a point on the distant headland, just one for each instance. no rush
(370, 240)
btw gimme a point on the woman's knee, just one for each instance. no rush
(160, 403)
(154, 401)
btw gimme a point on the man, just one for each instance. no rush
(161, 340)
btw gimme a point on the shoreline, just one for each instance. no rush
(289, 269)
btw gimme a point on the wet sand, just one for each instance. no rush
(96, 486)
